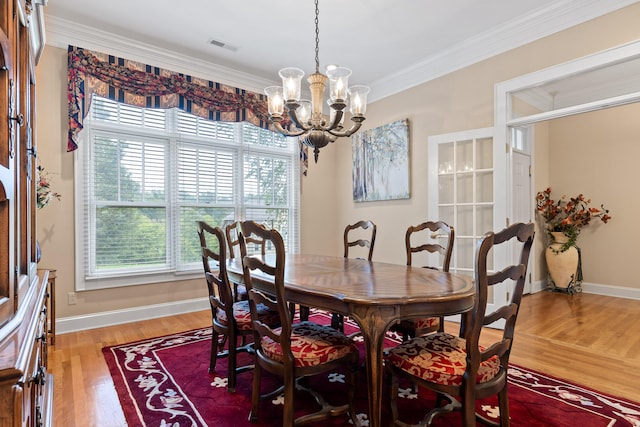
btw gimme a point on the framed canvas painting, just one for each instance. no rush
(381, 163)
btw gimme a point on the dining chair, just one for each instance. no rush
(231, 234)
(292, 351)
(230, 319)
(363, 235)
(353, 236)
(426, 238)
(258, 246)
(458, 368)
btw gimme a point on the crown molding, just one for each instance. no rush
(61, 33)
(542, 22)
(538, 24)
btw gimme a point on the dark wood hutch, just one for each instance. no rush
(25, 385)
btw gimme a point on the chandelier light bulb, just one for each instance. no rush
(291, 78)
(304, 111)
(338, 83)
(275, 100)
(358, 105)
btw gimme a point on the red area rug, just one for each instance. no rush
(165, 381)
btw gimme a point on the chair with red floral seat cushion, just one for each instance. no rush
(257, 246)
(230, 319)
(231, 234)
(292, 351)
(361, 234)
(425, 238)
(458, 369)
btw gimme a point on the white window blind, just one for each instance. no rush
(148, 175)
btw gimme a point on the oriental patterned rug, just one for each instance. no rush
(165, 381)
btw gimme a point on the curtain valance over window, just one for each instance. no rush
(146, 86)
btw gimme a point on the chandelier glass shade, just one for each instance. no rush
(314, 128)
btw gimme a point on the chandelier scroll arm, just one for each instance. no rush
(357, 123)
(277, 124)
(293, 114)
(337, 118)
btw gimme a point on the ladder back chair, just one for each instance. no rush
(230, 319)
(293, 350)
(361, 234)
(231, 234)
(458, 369)
(427, 237)
(353, 237)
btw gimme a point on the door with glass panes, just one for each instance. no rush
(461, 193)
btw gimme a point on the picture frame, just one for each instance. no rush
(380, 159)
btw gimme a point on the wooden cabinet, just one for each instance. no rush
(25, 385)
(26, 388)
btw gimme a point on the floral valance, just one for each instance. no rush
(146, 86)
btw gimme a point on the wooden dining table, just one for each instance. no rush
(374, 294)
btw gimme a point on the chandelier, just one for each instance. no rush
(314, 128)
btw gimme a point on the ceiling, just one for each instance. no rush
(389, 45)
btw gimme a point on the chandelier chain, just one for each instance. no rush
(317, 40)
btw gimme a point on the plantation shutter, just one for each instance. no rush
(150, 174)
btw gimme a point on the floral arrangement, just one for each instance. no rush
(568, 215)
(44, 193)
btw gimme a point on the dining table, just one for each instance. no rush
(374, 294)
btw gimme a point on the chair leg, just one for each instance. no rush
(289, 389)
(255, 392)
(337, 322)
(231, 363)
(352, 382)
(214, 351)
(393, 397)
(468, 407)
(503, 402)
(304, 313)
(292, 310)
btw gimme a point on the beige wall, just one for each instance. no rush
(597, 154)
(459, 101)
(55, 229)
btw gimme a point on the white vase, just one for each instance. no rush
(563, 266)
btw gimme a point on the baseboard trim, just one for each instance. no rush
(597, 289)
(135, 314)
(118, 317)
(611, 291)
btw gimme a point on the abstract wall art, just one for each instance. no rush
(381, 163)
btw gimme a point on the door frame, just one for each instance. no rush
(504, 119)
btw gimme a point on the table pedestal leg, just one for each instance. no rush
(373, 327)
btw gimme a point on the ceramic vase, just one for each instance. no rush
(563, 266)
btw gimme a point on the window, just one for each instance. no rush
(144, 176)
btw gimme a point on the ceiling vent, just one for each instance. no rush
(223, 45)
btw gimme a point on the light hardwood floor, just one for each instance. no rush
(589, 339)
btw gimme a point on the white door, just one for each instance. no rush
(461, 193)
(521, 197)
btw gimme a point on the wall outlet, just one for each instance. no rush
(71, 296)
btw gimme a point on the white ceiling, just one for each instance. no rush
(389, 45)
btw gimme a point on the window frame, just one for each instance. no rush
(175, 271)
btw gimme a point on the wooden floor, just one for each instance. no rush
(589, 339)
